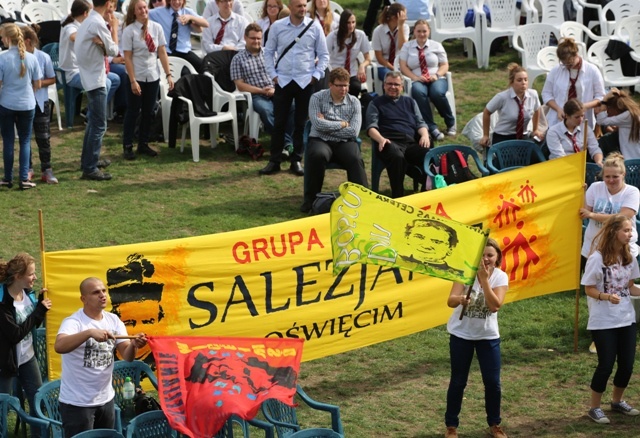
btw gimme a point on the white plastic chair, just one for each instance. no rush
(544, 11)
(611, 70)
(11, 6)
(7, 14)
(449, 24)
(53, 96)
(620, 9)
(504, 18)
(451, 98)
(213, 121)
(63, 5)
(253, 11)
(578, 32)
(529, 39)
(175, 66)
(39, 12)
(336, 7)
(628, 30)
(548, 58)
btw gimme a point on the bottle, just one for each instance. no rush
(128, 393)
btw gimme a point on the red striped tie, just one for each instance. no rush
(347, 61)
(392, 46)
(520, 122)
(423, 63)
(149, 41)
(220, 34)
(574, 141)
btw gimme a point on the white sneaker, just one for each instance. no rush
(437, 135)
(47, 176)
(451, 131)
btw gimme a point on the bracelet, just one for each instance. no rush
(167, 75)
(599, 294)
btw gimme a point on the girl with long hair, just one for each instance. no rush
(20, 76)
(320, 10)
(143, 44)
(608, 280)
(344, 45)
(620, 110)
(270, 11)
(21, 312)
(389, 37)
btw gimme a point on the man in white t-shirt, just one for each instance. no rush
(86, 340)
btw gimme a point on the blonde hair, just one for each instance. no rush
(15, 267)
(328, 17)
(131, 17)
(14, 34)
(514, 68)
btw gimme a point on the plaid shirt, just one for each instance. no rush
(250, 69)
(330, 128)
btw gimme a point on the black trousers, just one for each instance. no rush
(319, 153)
(193, 59)
(397, 155)
(42, 131)
(282, 99)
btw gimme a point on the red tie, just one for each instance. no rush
(220, 32)
(576, 148)
(423, 63)
(150, 44)
(573, 93)
(347, 60)
(392, 47)
(520, 122)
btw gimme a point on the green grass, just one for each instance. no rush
(392, 389)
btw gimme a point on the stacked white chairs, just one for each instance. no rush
(253, 11)
(529, 39)
(544, 11)
(504, 19)
(628, 31)
(611, 69)
(548, 58)
(175, 67)
(618, 8)
(39, 12)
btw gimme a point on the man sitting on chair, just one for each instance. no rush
(335, 119)
(394, 122)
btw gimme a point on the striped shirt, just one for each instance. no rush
(330, 128)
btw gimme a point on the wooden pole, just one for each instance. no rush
(42, 261)
(577, 310)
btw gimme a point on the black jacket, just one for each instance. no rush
(11, 333)
(199, 90)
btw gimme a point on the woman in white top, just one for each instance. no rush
(609, 284)
(143, 43)
(607, 198)
(66, 52)
(270, 11)
(574, 77)
(389, 37)
(473, 327)
(344, 45)
(619, 110)
(425, 62)
(516, 107)
(328, 19)
(567, 138)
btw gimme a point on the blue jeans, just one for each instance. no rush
(121, 91)
(433, 92)
(96, 127)
(30, 380)
(112, 84)
(461, 353)
(614, 344)
(264, 107)
(145, 102)
(23, 121)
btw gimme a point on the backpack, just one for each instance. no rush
(144, 403)
(249, 146)
(323, 201)
(454, 168)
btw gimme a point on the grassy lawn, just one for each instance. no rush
(393, 389)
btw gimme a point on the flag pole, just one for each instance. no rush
(464, 306)
(42, 262)
(576, 320)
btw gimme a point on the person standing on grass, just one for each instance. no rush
(94, 42)
(20, 76)
(473, 326)
(294, 65)
(608, 280)
(42, 118)
(20, 313)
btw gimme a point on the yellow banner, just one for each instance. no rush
(367, 227)
(277, 280)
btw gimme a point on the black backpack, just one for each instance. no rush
(454, 168)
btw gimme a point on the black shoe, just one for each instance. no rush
(296, 168)
(270, 169)
(26, 185)
(5, 183)
(128, 152)
(305, 207)
(103, 164)
(98, 175)
(144, 149)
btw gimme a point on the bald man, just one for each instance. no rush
(87, 340)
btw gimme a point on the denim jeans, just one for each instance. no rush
(614, 344)
(30, 380)
(112, 84)
(76, 419)
(264, 107)
(145, 102)
(96, 127)
(433, 92)
(121, 91)
(461, 353)
(23, 121)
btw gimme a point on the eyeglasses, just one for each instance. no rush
(392, 84)
(157, 1)
(273, 7)
(340, 85)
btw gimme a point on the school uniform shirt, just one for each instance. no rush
(212, 9)
(17, 92)
(507, 107)
(478, 323)
(66, 52)
(233, 33)
(91, 62)
(613, 279)
(434, 54)
(334, 23)
(164, 17)
(601, 201)
(381, 41)
(561, 145)
(87, 370)
(145, 63)
(589, 86)
(265, 24)
(337, 57)
(630, 150)
(46, 67)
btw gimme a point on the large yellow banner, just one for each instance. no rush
(277, 281)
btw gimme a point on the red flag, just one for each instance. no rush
(202, 381)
